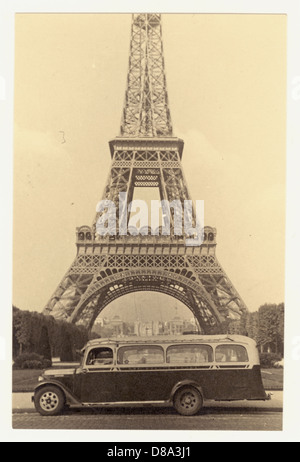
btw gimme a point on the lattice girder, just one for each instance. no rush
(146, 109)
(68, 295)
(141, 163)
(145, 155)
(196, 280)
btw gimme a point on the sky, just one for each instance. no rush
(226, 79)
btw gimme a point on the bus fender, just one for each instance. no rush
(70, 398)
(186, 383)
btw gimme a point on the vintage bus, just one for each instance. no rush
(182, 371)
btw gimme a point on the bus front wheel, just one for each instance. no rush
(49, 400)
(188, 401)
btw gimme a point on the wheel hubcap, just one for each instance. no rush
(49, 401)
(188, 400)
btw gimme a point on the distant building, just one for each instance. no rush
(117, 326)
(106, 327)
(175, 326)
(150, 328)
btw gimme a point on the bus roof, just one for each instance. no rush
(167, 339)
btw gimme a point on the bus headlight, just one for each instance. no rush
(41, 378)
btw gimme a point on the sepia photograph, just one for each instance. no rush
(149, 225)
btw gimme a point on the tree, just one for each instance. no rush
(252, 323)
(44, 348)
(22, 328)
(280, 326)
(271, 327)
(66, 353)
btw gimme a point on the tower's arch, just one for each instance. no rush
(178, 284)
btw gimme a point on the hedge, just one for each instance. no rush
(269, 359)
(31, 361)
(45, 336)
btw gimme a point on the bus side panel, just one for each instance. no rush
(234, 384)
(140, 385)
(217, 384)
(153, 385)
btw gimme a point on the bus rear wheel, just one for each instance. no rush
(188, 401)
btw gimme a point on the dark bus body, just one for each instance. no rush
(183, 371)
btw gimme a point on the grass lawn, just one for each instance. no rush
(272, 379)
(24, 380)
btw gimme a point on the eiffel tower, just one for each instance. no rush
(145, 154)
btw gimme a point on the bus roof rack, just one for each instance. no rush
(190, 338)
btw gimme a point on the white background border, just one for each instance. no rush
(292, 336)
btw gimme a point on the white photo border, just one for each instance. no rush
(292, 335)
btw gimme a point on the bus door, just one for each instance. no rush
(98, 376)
(232, 379)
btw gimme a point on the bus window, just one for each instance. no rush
(189, 354)
(231, 353)
(140, 354)
(100, 356)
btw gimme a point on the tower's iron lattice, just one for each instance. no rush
(146, 154)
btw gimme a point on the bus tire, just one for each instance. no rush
(188, 401)
(49, 400)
